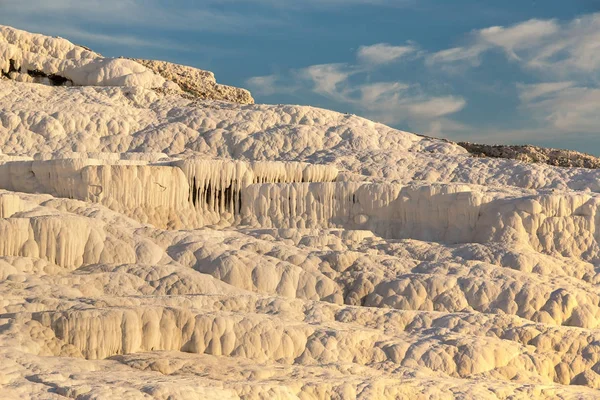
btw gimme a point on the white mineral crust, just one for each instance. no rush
(161, 244)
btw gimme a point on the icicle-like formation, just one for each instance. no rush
(60, 178)
(194, 193)
(62, 241)
(444, 212)
(298, 205)
(9, 205)
(154, 194)
(216, 185)
(565, 224)
(292, 172)
(14, 238)
(65, 241)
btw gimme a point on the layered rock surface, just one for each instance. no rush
(196, 82)
(27, 57)
(529, 153)
(157, 245)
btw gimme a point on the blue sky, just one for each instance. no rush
(488, 71)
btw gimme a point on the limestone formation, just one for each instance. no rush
(536, 154)
(197, 82)
(155, 244)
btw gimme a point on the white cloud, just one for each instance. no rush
(456, 59)
(264, 85)
(544, 46)
(327, 78)
(517, 37)
(380, 92)
(564, 57)
(444, 128)
(575, 49)
(382, 53)
(350, 85)
(397, 104)
(437, 106)
(387, 102)
(531, 92)
(553, 111)
(562, 107)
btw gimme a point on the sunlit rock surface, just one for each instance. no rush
(196, 82)
(529, 153)
(155, 245)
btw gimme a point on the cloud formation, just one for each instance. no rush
(382, 53)
(390, 102)
(546, 46)
(563, 106)
(562, 59)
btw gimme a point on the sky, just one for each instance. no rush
(489, 71)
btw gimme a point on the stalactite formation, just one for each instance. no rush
(218, 185)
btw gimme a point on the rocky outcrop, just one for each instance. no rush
(30, 57)
(534, 154)
(35, 58)
(199, 83)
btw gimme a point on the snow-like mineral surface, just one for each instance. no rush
(158, 245)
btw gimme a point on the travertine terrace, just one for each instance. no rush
(161, 240)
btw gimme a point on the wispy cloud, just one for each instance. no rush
(515, 41)
(437, 106)
(523, 36)
(553, 111)
(382, 53)
(548, 47)
(530, 92)
(350, 85)
(457, 57)
(328, 79)
(265, 85)
(561, 60)
(562, 106)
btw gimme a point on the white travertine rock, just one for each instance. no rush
(154, 245)
(35, 58)
(197, 82)
(28, 56)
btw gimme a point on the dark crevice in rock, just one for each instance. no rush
(11, 69)
(218, 200)
(55, 80)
